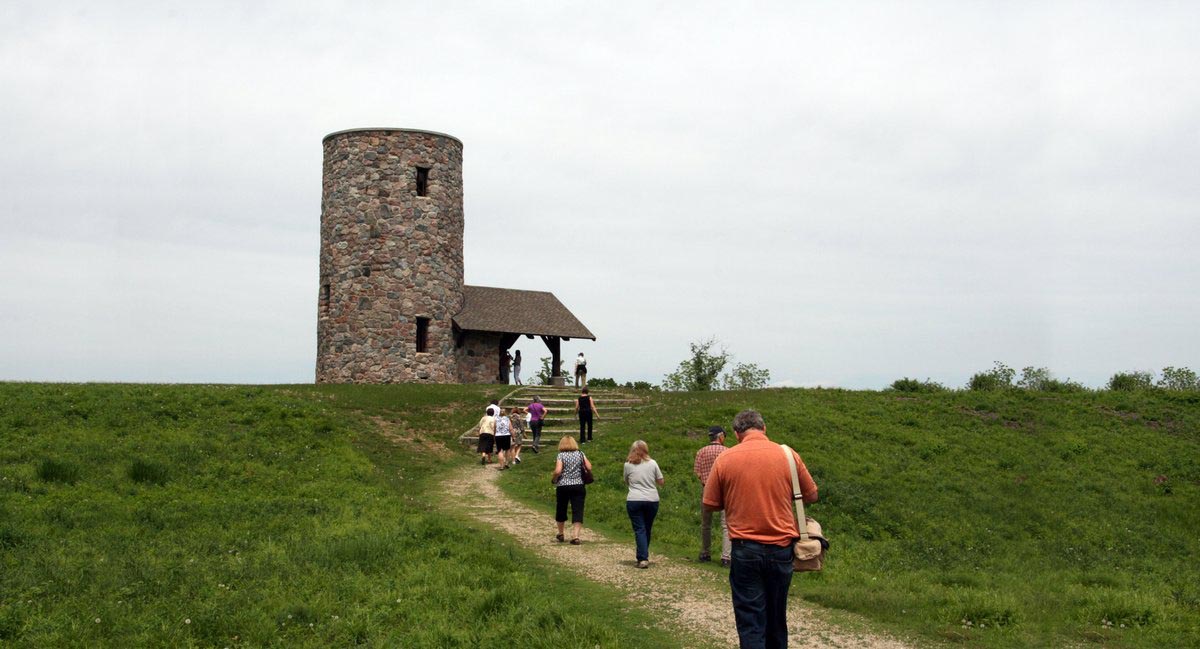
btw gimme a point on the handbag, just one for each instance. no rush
(809, 551)
(585, 472)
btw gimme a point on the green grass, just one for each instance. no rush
(1032, 517)
(241, 516)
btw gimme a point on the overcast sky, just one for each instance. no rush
(843, 193)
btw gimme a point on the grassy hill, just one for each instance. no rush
(1005, 519)
(300, 516)
(214, 516)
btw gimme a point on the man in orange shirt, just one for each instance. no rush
(752, 483)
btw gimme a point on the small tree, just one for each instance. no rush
(1035, 378)
(1000, 377)
(746, 376)
(1131, 381)
(543, 375)
(1178, 378)
(698, 373)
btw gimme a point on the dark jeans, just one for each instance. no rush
(759, 578)
(536, 427)
(641, 514)
(585, 421)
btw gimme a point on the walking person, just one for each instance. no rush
(585, 408)
(503, 440)
(518, 432)
(517, 368)
(537, 412)
(580, 370)
(487, 436)
(643, 477)
(703, 465)
(752, 484)
(568, 476)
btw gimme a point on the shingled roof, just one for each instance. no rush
(510, 310)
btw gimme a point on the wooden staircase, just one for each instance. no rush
(612, 403)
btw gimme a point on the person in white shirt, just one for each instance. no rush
(643, 477)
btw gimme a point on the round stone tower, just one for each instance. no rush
(391, 256)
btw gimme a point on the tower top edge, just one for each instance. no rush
(389, 129)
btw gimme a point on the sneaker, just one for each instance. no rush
(643, 564)
(517, 460)
(559, 538)
(535, 449)
(725, 563)
(575, 541)
(704, 558)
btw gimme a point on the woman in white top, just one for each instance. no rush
(643, 477)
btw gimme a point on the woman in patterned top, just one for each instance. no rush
(568, 475)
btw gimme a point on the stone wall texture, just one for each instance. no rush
(389, 257)
(479, 358)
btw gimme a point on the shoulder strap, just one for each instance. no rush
(797, 497)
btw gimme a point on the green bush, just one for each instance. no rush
(54, 471)
(602, 383)
(1179, 378)
(1000, 377)
(913, 385)
(148, 472)
(1131, 381)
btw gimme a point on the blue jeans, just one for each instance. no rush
(759, 578)
(641, 514)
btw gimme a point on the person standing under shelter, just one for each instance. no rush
(703, 465)
(752, 484)
(517, 368)
(580, 370)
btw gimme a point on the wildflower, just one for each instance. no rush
(97, 620)
(187, 620)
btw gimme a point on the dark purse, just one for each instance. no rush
(584, 472)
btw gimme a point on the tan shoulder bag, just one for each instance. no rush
(810, 549)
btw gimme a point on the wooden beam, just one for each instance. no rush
(554, 343)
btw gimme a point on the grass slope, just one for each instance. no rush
(241, 516)
(1008, 519)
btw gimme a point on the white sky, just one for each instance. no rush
(844, 193)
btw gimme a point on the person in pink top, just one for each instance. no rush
(537, 413)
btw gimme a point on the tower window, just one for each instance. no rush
(422, 334)
(422, 181)
(325, 297)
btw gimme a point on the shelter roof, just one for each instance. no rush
(510, 310)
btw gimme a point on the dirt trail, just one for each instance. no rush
(694, 600)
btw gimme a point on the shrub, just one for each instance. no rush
(602, 383)
(53, 471)
(1000, 377)
(1178, 378)
(148, 472)
(1131, 381)
(1034, 378)
(643, 385)
(912, 385)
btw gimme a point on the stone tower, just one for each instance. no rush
(391, 257)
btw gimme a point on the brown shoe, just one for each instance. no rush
(575, 541)
(559, 538)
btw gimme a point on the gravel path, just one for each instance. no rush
(694, 600)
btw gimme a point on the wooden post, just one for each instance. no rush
(554, 343)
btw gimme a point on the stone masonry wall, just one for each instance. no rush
(479, 358)
(388, 257)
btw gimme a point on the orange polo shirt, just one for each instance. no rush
(752, 483)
